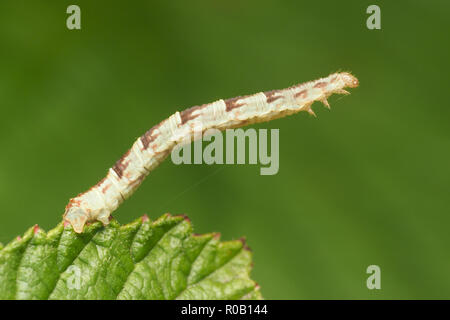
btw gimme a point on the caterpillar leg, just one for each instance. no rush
(87, 207)
(77, 217)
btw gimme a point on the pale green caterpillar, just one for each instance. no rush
(156, 144)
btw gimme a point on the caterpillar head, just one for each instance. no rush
(349, 80)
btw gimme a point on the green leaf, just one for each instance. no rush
(141, 260)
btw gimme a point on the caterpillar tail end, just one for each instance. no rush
(78, 216)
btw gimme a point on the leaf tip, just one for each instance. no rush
(244, 244)
(185, 217)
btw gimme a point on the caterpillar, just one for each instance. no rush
(156, 144)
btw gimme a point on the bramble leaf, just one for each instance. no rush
(145, 259)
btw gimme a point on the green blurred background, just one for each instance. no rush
(367, 183)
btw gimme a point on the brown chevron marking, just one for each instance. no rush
(138, 180)
(104, 189)
(121, 165)
(148, 138)
(270, 96)
(232, 103)
(187, 115)
(302, 94)
(320, 84)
